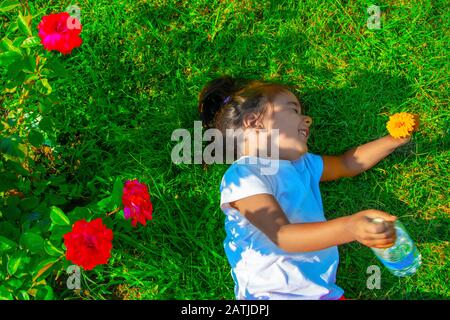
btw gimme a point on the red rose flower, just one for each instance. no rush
(136, 201)
(89, 243)
(58, 32)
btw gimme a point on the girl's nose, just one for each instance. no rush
(308, 121)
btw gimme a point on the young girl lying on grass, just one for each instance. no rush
(279, 244)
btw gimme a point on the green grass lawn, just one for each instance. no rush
(137, 76)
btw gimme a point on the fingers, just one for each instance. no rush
(382, 227)
(379, 227)
(380, 214)
(375, 227)
(380, 240)
(381, 244)
(389, 234)
(377, 234)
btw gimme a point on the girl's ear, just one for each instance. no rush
(253, 120)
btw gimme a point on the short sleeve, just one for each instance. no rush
(314, 163)
(241, 181)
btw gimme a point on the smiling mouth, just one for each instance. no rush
(304, 132)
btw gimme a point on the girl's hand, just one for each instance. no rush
(398, 142)
(362, 228)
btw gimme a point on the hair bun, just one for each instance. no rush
(212, 97)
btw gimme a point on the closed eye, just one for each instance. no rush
(295, 106)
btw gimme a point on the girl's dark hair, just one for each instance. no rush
(224, 101)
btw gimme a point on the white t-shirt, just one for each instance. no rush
(260, 269)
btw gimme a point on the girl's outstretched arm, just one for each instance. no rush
(359, 159)
(264, 212)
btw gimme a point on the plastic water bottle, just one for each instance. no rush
(403, 258)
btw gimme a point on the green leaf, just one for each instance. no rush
(29, 221)
(8, 230)
(31, 42)
(44, 87)
(17, 168)
(5, 45)
(8, 5)
(23, 269)
(5, 294)
(51, 250)
(58, 217)
(55, 199)
(14, 69)
(12, 213)
(116, 196)
(15, 261)
(43, 267)
(43, 225)
(31, 77)
(18, 41)
(79, 213)
(13, 200)
(23, 22)
(57, 67)
(6, 58)
(57, 180)
(10, 145)
(6, 245)
(58, 233)
(23, 295)
(8, 45)
(121, 223)
(32, 242)
(18, 80)
(104, 204)
(29, 64)
(3, 272)
(8, 181)
(45, 293)
(29, 204)
(14, 283)
(46, 124)
(35, 138)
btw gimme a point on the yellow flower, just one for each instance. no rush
(402, 124)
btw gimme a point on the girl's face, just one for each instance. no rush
(286, 115)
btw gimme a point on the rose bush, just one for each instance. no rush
(38, 240)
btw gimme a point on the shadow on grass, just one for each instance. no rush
(421, 230)
(356, 258)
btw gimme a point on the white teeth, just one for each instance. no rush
(303, 132)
